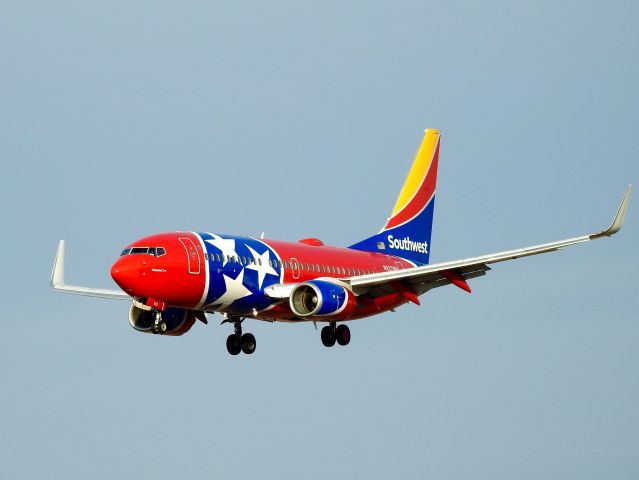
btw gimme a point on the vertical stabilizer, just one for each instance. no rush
(407, 232)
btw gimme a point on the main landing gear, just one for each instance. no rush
(335, 333)
(238, 342)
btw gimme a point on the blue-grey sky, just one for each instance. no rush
(122, 119)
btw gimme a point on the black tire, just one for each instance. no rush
(233, 344)
(343, 334)
(328, 337)
(162, 327)
(248, 343)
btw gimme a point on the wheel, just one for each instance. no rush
(162, 327)
(248, 343)
(233, 344)
(343, 334)
(328, 336)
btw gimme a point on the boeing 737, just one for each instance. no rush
(174, 279)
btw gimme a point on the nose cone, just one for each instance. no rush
(126, 273)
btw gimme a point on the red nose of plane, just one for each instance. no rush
(126, 273)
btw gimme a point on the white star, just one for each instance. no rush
(235, 290)
(227, 246)
(262, 265)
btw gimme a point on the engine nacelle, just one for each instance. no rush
(321, 298)
(178, 321)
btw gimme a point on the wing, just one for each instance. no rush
(457, 271)
(58, 285)
(422, 279)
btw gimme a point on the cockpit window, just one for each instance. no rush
(155, 251)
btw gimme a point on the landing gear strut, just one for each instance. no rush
(335, 333)
(238, 342)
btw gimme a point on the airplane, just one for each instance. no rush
(174, 279)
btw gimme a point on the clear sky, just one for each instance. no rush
(121, 119)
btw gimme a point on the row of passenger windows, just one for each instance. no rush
(309, 267)
(155, 251)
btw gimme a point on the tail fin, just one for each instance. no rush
(408, 230)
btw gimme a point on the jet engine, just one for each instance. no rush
(321, 298)
(172, 321)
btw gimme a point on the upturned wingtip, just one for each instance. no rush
(620, 216)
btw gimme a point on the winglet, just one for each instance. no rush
(620, 216)
(57, 274)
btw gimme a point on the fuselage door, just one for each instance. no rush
(295, 268)
(192, 254)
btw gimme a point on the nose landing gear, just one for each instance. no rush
(238, 342)
(159, 325)
(335, 333)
